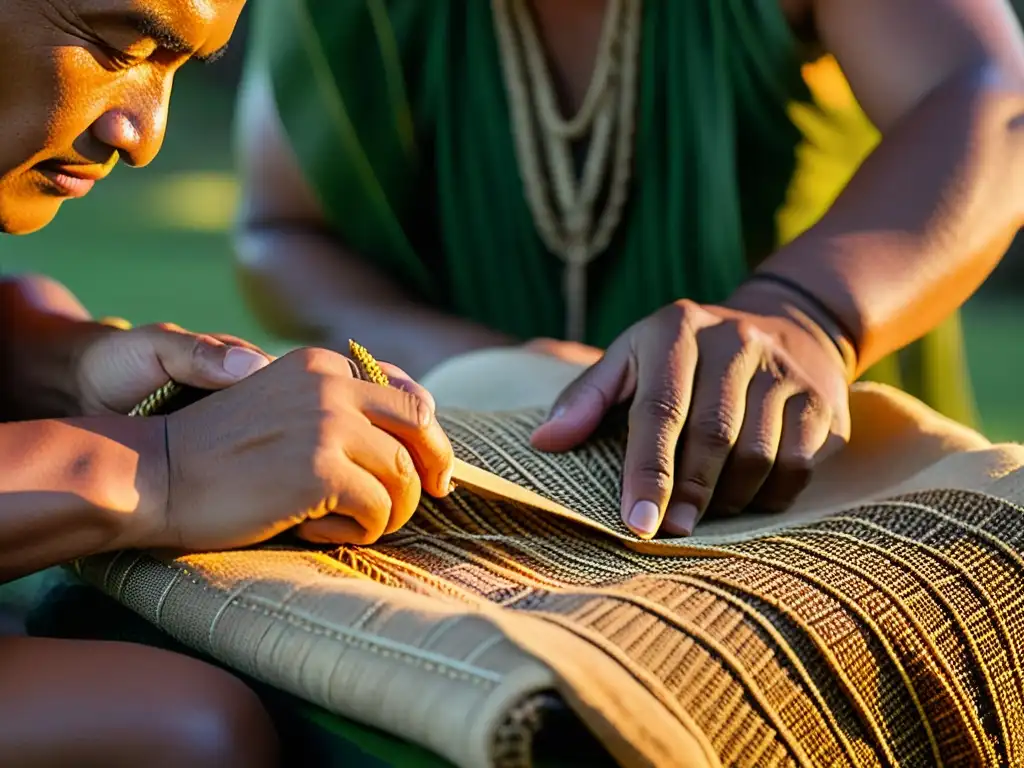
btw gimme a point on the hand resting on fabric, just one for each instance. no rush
(730, 410)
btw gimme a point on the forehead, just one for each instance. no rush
(199, 25)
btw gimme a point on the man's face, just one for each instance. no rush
(83, 82)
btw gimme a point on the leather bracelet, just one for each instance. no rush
(841, 336)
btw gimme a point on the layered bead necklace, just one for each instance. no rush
(562, 202)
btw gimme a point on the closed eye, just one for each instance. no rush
(111, 57)
(119, 59)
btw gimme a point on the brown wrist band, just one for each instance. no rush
(842, 337)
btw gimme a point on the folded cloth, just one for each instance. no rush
(875, 623)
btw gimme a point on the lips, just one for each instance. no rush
(70, 181)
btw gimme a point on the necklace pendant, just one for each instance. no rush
(575, 287)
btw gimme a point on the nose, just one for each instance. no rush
(135, 128)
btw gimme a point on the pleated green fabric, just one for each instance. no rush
(397, 113)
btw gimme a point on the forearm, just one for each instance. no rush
(78, 487)
(303, 286)
(42, 327)
(923, 222)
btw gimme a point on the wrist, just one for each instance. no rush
(100, 483)
(768, 295)
(145, 523)
(77, 487)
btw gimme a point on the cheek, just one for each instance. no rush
(25, 116)
(44, 106)
(25, 109)
(50, 101)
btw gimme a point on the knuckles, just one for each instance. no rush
(814, 406)
(335, 378)
(753, 360)
(797, 464)
(667, 409)
(319, 362)
(756, 459)
(681, 312)
(417, 410)
(654, 477)
(715, 429)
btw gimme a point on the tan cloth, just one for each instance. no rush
(898, 445)
(860, 633)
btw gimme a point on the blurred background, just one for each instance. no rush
(153, 245)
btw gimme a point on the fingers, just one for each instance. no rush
(361, 508)
(716, 418)
(197, 360)
(403, 381)
(336, 530)
(234, 341)
(656, 418)
(579, 409)
(751, 459)
(805, 430)
(411, 420)
(390, 462)
(407, 417)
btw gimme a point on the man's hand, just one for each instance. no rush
(114, 370)
(300, 444)
(730, 409)
(57, 362)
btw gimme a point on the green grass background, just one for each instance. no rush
(153, 245)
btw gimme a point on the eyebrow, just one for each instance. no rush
(153, 27)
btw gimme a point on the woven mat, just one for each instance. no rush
(877, 623)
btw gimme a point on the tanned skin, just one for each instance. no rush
(84, 84)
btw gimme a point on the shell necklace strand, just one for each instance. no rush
(542, 135)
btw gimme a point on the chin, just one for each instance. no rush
(23, 216)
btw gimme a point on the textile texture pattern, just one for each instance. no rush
(888, 633)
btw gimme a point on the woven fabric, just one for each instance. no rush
(888, 634)
(886, 630)
(891, 634)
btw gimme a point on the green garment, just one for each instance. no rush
(396, 111)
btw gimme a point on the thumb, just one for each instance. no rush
(578, 411)
(203, 361)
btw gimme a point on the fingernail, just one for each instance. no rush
(683, 518)
(446, 480)
(643, 518)
(556, 414)
(240, 362)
